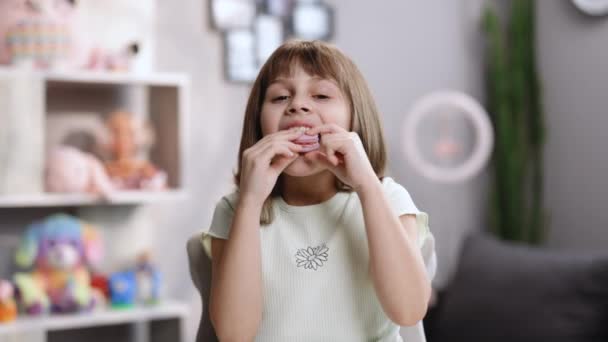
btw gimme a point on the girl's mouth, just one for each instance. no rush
(308, 142)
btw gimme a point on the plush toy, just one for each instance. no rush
(125, 137)
(148, 280)
(68, 170)
(8, 308)
(36, 32)
(60, 248)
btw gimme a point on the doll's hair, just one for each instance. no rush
(326, 61)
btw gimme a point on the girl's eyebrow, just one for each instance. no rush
(285, 81)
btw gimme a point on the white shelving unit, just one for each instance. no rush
(37, 109)
(67, 200)
(139, 319)
(54, 98)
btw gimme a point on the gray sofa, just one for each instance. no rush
(505, 291)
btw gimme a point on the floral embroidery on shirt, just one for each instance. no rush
(312, 258)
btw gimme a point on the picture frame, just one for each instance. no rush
(312, 20)
(240, 59)
(232, 14)
(279, 8)
(270, 34)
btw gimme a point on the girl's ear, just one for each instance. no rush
(28, 249)
(93, 247)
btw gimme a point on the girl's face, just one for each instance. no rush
(303, 100)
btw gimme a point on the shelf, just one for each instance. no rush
(66, 200)
(166, 310)
(100, 77)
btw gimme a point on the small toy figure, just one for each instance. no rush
(126, 170)
(8, 308)
(148, 280)
(60, 247)
(123, 289)
(101, 59)
(69, 170)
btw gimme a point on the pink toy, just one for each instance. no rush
(37, 32)
(60, 248)
(69, 170)
(100, 59)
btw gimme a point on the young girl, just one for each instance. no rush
(315, 244)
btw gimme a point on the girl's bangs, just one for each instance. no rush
(315, 62)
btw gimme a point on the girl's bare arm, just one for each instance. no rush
(396, 265)
(235, 304)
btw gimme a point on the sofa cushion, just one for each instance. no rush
(504, 291)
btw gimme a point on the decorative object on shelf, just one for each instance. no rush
(120, 60)
(37, 33)
(515, 101)
(101, 289)
(253, 29)
(448, 136)
(126, 136)
(8, 307)
(60, 247)
(123, 289)
(69, 170)
(117, 35)
(592, 7)
(148, 280)
(53, 34)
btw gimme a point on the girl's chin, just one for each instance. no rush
(303, 167)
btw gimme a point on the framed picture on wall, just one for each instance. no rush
(240, 61)
(312, 20)
(270, 33)
(279, 8)
(232, 14)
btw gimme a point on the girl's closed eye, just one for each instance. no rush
(279, 98)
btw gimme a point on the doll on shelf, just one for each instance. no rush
(126, 137)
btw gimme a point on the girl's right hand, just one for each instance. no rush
(263, 162)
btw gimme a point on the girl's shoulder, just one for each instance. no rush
(229, 201)
(390, 185)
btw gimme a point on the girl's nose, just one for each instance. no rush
(298, 104)
(294, 110)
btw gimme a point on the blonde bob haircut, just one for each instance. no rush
(326, 61)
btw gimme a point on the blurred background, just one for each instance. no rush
(120, 122)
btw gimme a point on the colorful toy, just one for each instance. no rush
(8, 307)
(36, 32)
(126, 136)
(123, 289)
(69, 170)
(60, 247)
(148, 280)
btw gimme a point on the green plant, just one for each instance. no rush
(514, 101)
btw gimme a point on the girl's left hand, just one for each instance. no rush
(343, 154)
